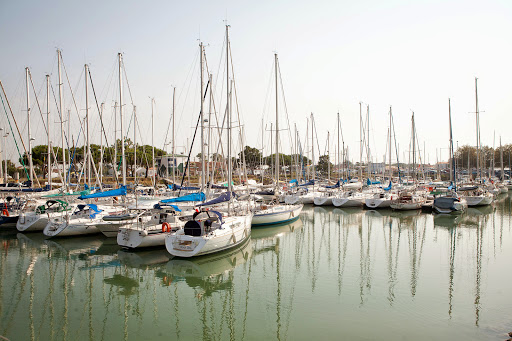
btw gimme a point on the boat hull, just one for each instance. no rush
(233, 232)
(32, 222)
(322, 201)
(347, 202)
(290, 213)
(479, 200)
(75, 227)
(374, 203)
(133, 238)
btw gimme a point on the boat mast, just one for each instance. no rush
(115, 140)
(123, 164)
(134, 144)
(413, 150)
(203, 164)
(49, 161)
(277, 129)
(452, 165)
(368, 139)
(31, 165)
(478, 167)
(313, 150)
(173, 145)
(101, 145)
(209, 135)
(88, 153)
(64, 185)
(360, 142)
(390, 170)
(153, 143)
(228, 113)
(339, 151)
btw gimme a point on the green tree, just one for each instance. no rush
(323, 164)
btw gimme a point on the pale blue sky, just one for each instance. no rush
(412, 55)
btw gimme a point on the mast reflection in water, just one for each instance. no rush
(334, 273)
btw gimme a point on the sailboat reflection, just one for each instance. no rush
(210, 273)
(82, 247)
(143, 259)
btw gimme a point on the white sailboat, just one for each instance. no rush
(36, 220)
(211, 231)
(276, 213)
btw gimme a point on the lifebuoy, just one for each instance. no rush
(5, 212)
(166, 227)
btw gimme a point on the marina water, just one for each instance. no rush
(332, 274)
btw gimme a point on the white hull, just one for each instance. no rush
(406, 206)
(30, 222)
(306, 199)
(111, 228)
(348, 202)
(378, 203)
(276, 215)
(479, 200)
(133, 238)
(74, 227)
(322, 201)
(234, 231)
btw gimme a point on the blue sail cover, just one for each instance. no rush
(159, 207)
(175, 187)
(369, 182)
(337, 185)
(214, 186)
(112, 193)
(387, 188)
(189, 197)
(294, 181)
(226, 196)
(309, 183)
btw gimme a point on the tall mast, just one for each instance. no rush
(339, 152)
(478, 168)
(101, 146)
(203, 164)
(413, 150)
(115, 139)
(368, 139)
(173, 151)
(123, 159)
(390, 170)
(153, 142)
(209, 135)
(49, 157)
(88, 153)
(452, 164)
(361, 142)
(59, 57)
(277, 128)
(313, 148)
(228, 112)
(134, 144)
(31, 165)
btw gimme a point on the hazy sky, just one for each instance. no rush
(412, 55)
